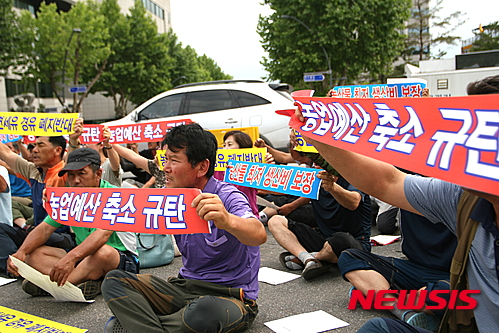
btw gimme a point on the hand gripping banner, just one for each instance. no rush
(151, 211)
(451, 138)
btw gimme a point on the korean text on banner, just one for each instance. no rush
(161, 158)
(302, 182)
(151, 211)
(12, 321)
(141, 132)
(451, 138)
(394, 90)
(256, 155)
(5, 138)
(39, 124)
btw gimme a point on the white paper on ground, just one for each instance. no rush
(274, 276)
(66, 293)
(4, 281)
(384, 239)
(311, 322)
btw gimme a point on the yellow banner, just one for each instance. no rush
(39, 124)
(12, 321)
(161, 158)
(251, 131)
(302, 145)
(256, 155)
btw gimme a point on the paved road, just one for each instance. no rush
(328, 292)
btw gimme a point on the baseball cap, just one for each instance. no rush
(80, 158)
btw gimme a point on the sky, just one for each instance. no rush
(225, 30)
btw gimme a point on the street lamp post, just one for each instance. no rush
(75, 30)
(322, 47)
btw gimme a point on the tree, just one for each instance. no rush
(488, 39)
(358, 36)
(54, 45)
(426, 29)
(185, 59)
(10, 36)
(139, 65)
(210, 70)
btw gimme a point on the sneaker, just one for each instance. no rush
(114, 326)
(314, 268)
(422, 320)
(288, 260)
(90, 288)
(32, 289)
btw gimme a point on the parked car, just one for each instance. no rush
(222, 104)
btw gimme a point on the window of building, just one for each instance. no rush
(24, 5)
(15, 87)
(153, 8)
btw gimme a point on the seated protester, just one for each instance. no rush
(343, 215)
(239, 140)
(8, 241)
(150, 154)
(97, 252)
(22, 210)
(48, 160)
(217, 287)
(110, 161)
(387, 217)
(139, 174)
(19, 187)
(473, 216)
(429, 248)
(148, 165)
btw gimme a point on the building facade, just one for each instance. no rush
(13, 95)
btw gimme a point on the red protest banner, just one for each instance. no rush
(152, 211)
(451, 138)
(141, 132)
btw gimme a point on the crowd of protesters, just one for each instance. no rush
(315, 234)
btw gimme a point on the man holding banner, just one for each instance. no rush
(476, 260)
(219, 279)
(98, 251)
(48, 156)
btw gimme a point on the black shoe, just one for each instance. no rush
(32, 289)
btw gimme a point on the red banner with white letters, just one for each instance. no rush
(130, 133)
(151, 211)
(451, 138)
(141, 132)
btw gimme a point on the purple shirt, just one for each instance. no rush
(250, 192)
(220, 257)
